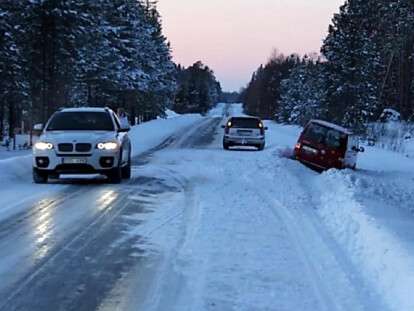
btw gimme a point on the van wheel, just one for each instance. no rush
(126, 170)
(40, 177)
(261, 147)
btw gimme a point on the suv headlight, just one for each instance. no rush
(107, 146)
(40, 145)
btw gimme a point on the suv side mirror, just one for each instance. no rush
(223, 126)
(38, 127)
(266, 128)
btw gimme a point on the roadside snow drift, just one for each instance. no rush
(150, 134)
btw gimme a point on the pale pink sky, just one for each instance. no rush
(234, 37)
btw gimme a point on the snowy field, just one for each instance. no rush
(247, 230)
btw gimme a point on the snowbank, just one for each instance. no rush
(171, 114)
(393, 135)
(369, 212)
(384, 259)
(15, 169)
(148, 135)
(382, 160)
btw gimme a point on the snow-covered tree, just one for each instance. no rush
(13, 82)
(353, 65)
(397, 41)
(198, 89)
(303, 94)
(100, 53)
(263, 94)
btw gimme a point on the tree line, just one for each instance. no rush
(365, 66)
(59, 53)
(198, 89)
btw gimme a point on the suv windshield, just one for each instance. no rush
(331, 138)
(245, 122)
(81, 121)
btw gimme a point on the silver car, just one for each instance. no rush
(244, 131)
(83, 141)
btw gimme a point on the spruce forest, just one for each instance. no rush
(60, 53)
(365, 66)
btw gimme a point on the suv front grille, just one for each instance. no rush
(65, 147)
(83, 147)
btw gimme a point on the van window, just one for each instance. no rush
(331, 138)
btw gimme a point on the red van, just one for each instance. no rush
(325, 145)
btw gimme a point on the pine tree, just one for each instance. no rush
(303, 93)
(397, 40)
(198, 89)
(13, 83)
(99, 53)
(54, 28)
(354, 65)
(262, 95)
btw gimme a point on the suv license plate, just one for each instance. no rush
(75, 161)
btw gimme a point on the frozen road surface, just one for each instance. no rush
(199, 228)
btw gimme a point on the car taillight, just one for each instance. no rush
(298, 146)
(261, 127)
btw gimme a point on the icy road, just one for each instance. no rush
(199, 228)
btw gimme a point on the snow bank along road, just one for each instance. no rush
(198, 228)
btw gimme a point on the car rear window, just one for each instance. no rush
(245, 123)
(81, 121)
(324, 135)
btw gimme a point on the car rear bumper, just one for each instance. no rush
(318, 164)
(244, 140)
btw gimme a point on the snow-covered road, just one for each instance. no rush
(199, 228)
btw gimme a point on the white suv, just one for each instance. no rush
(83, 141)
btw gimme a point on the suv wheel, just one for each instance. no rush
(261, 147)
(115, 175)
(40, 177)
(126, 170)
(226, 146)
